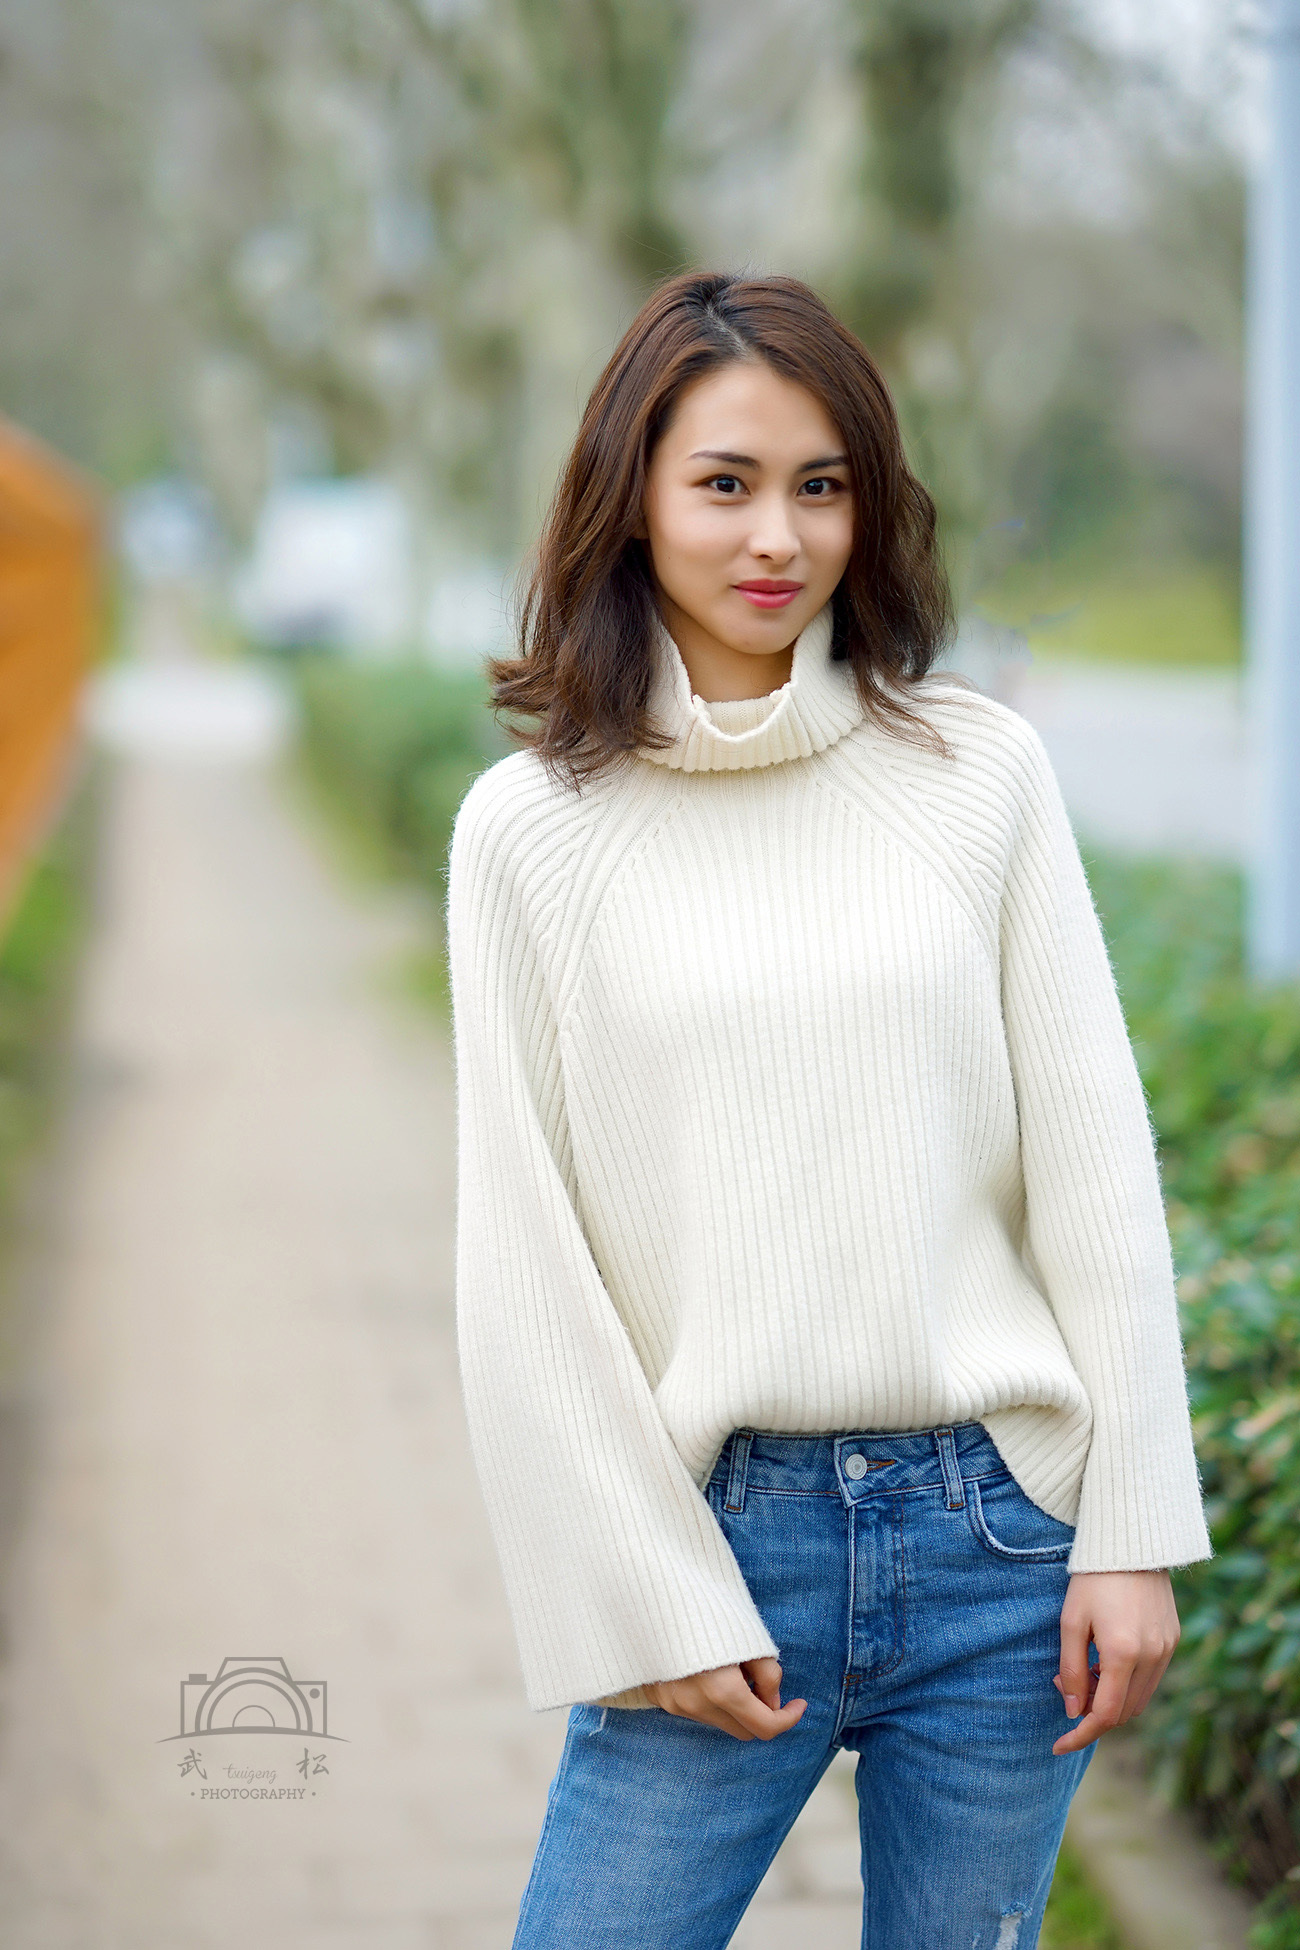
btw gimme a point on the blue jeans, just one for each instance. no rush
(915, 1593)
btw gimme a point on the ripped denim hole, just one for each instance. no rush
(1009, 1933)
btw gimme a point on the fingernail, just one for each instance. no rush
(1072, 1707)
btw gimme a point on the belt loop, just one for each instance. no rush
(954, 1488)
(741, 1443)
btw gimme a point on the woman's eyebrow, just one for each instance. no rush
(747, 460)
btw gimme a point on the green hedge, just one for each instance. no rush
(1221, 1064)
(40, 944)
(402, 743)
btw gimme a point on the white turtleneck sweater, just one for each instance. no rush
(794, 1094)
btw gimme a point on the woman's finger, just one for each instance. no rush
(764, 1676)
(1074, 1675)
(748, 1712)
(1107, 1706)
(739, 1723)
(724, 1699)
(1150, 1671)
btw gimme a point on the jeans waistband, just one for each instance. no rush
(856, 1464)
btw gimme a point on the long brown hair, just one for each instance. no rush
(586, 622)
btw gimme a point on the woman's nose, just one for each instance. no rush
(773, 533)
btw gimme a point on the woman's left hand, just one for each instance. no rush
(1132, 1619)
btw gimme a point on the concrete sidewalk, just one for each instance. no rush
(249, 1444)
(1150, 761)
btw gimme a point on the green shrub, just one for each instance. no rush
(1221, 1063)
(1076, 1917)
(1278, 1924)
(401, 743)
(40, 943)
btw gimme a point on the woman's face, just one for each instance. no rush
(748, 514)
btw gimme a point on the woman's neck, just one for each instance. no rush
(719, 674)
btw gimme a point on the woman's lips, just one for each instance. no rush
(768, 595)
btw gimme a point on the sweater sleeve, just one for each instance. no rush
(1095, 1233)
(616, 1571)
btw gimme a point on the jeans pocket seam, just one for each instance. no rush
(1012, 1553)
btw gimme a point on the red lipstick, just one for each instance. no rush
(766, 592)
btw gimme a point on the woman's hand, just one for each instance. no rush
(1133, 1621)
(743, 1700)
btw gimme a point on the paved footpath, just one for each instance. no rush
(249, 1445)
(1150, 761)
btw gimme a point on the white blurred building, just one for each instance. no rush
(339, 563)
(167, 531)
(331, 563)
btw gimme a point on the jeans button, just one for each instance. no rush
(856, 1467)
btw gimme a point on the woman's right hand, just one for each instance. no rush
(744, 1700)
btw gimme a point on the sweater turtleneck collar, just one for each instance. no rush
(817, 705)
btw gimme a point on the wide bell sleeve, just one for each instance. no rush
(1096, 1239)
(616, 1572)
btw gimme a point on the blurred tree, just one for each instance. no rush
(572, 100)
(555, 195)
(1107, 350)
(422, 230)
(85, 350)
(400, 235)
(931, 79)
(925, 69)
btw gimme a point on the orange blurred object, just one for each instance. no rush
(49, 618)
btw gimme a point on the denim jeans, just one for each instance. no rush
(915, 1593)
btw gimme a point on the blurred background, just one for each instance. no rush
(299, 304)
(253, 252)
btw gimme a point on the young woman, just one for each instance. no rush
(816, 1306)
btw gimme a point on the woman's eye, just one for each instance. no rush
(821, 487)
(726, 483)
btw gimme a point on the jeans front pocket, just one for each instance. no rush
(1011, 1526)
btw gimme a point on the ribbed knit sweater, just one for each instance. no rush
(794, 1094)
